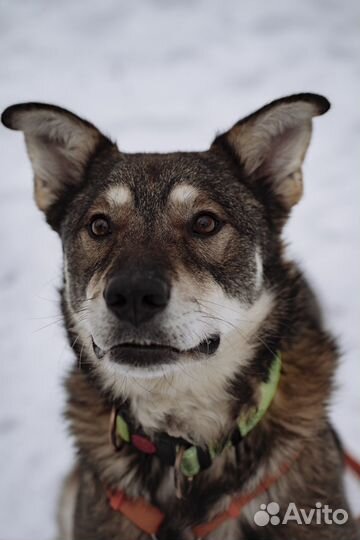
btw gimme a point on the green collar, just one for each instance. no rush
(267, 393)
(188, 458)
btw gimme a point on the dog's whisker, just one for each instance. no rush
(55, 316)
(52, 323)
(281, 323)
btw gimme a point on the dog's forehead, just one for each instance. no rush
(120, 194)
(156, 180)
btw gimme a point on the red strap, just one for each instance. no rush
(237, 504)
(201, 531)
(352, 463)
(144, 515)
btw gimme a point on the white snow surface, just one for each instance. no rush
(161, 76)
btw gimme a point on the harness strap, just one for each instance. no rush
(144, 515)
(149, 518)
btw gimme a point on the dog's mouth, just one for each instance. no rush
(152, 353)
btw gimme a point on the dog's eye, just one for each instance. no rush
(99, 226)
(205, 225)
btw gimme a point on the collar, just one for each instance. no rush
(187, 458)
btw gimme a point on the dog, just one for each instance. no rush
(204, 371)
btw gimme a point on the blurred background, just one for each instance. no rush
(159, 76)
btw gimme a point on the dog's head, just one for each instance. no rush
(168, 257)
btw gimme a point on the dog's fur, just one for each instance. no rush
(236, 283)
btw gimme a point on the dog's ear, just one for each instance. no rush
(59, 144)
(270, 144)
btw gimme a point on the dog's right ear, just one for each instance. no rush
(60, 146)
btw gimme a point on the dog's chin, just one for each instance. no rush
(154, 357)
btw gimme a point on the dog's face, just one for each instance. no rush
(166, 257)
(161, 262)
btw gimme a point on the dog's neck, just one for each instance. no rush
(148, 409)
(197, 402)
(175, 450)
(197, 412)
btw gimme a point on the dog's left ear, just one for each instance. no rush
(271, 143)
(60, 146)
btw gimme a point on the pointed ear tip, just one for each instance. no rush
(321, 102)
(7, 117)
(12, 114)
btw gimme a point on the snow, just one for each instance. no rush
(163, 76)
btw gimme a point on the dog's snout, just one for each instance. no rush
(136, 298)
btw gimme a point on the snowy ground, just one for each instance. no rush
(163, 75)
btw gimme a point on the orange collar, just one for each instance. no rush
(149, 518)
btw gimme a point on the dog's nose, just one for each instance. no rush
(136, 298)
